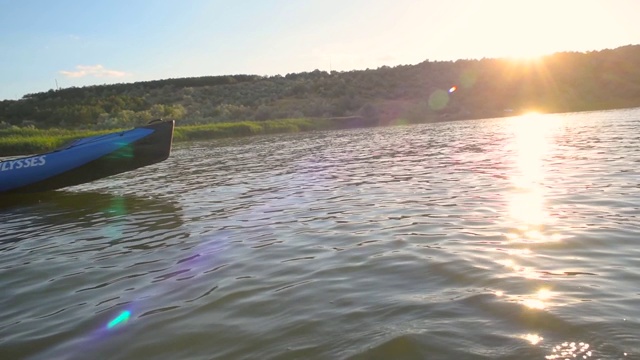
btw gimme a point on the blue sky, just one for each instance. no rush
(87, 42)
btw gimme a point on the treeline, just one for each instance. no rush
(413, 93)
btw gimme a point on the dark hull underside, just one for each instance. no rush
(148, 150)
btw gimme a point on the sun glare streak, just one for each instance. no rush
(526, 210)
(532, 134)
(531, 144)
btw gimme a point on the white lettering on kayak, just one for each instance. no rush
(23, 163)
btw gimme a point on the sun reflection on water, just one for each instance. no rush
(524, 271)
(531, 144)
(570, 350)
(534, 339)
(527, 214)
(539, 301)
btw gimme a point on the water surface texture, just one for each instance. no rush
(513, 238)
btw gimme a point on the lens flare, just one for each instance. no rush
(438, 100)
(121, 319)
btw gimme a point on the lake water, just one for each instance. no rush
(512, 238)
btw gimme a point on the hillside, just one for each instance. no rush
(414, 93)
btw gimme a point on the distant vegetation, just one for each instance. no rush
(408, 93)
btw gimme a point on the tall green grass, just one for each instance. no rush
(243, 128)
(20, 141)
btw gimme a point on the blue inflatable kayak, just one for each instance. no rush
(88, 159)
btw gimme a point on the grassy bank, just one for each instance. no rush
(243, 128)
(21, 141)
(248, 128)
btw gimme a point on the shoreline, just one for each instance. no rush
(29, 141)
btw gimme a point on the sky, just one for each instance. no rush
(47, 44)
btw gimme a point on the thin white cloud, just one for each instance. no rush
(98, 71)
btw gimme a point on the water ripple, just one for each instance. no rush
(488, 239)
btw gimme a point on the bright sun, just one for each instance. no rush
(529, 55)
(524, 42)
(524, 30)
